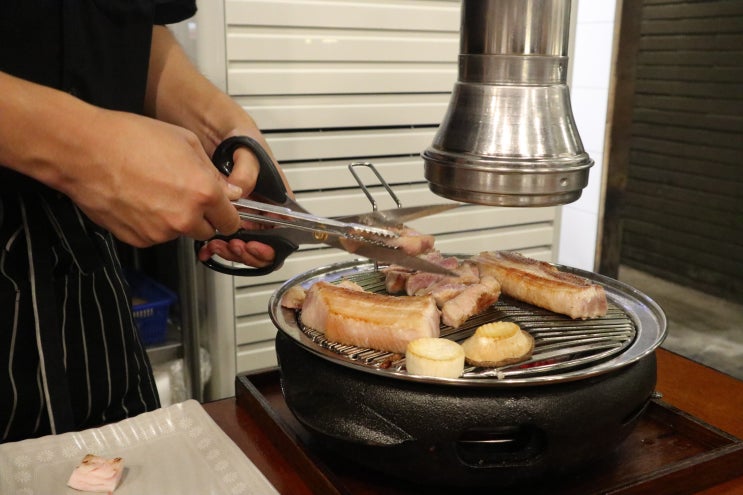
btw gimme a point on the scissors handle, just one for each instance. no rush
(269, 187)
(282, 247)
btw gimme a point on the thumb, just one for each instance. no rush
(232, 191)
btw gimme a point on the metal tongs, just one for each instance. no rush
(366, 235)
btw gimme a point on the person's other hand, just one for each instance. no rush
(149, 182)
(244, 175)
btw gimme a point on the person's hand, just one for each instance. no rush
(244, 175)
(149, 182)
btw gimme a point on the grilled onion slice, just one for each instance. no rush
(497, 344)
(436, 357)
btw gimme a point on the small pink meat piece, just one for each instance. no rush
(412, 242)
(97, 474)
(474, 299)
(409, 241)
(443, 292)
(419, 282)
(468, 273)
(448, 262)
(424, 283)
(396, 277)
(395, 280)
(367, 319)
(349, 284)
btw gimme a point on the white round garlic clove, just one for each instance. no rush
(436, 357)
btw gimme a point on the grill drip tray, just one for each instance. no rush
(565, 349)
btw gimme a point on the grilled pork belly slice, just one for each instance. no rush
(543, 285)
(294, 297)
(366, 319)
(497, 344)
(97, 474)
(474, 299)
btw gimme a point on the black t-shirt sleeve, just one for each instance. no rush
(171, 11)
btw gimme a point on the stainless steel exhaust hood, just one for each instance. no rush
(509, 137)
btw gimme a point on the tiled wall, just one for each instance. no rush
(589, 88)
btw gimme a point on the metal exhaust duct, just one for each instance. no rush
(509, 137)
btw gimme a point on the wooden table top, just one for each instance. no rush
(707, 394)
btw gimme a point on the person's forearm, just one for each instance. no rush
(178, 93)
(41, 129)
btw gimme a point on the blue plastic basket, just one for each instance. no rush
(151, 316)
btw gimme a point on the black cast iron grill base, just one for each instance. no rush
(462, 435)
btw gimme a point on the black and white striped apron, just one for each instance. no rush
(70, 357)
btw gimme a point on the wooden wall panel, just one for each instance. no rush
(682, 194)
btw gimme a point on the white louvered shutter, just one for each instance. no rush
(332, 82)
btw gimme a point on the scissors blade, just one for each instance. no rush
(360, 247)
(300, 220)
(397, 216)
(361, 239)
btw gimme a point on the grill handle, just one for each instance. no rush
(335, 416)
(500, 446)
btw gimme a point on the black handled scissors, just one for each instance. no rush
(298, 226)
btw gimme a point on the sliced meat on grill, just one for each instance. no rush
(448, 262)
(294, 297)
(474, 299)
(444, 291)
(467, 273)
(398, 279)
(418, 283)
(349, 284)
(443, 288)
(543, 285)
(395, 278)
(367, 319)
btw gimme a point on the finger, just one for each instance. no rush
(246, 169)
(203, 231)
(252, 253)
(222, 216)
(215, 246)
(232, 191)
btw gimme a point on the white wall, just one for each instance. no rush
(590, 62)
